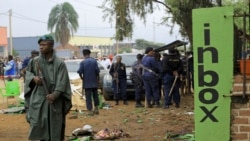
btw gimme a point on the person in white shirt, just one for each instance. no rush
(106, 62)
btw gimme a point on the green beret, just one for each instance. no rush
(45, 38)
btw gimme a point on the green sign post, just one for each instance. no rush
(213, 72)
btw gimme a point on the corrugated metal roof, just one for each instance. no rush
(171, 45)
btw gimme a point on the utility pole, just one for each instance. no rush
(154, 30)
(117, 46)
(10, 33)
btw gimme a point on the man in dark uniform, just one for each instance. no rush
(34, 53)
(158, 60)
(172, 67)
(1, 68)
(118, 73)
(137, 80)
(89, 73)
(150, 77)
(191, 70)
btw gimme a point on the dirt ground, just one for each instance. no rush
(142, 124)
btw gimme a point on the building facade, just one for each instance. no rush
(3, 41)
(99, 46)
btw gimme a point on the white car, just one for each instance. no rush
(73, 66)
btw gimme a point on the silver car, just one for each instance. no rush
(73, 66)
(128, 59)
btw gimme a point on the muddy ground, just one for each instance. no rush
(142, 124)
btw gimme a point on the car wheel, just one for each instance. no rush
(106, 95)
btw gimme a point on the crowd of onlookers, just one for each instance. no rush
(11, 66)
(14, 67)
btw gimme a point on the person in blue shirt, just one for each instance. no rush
(138, 83)
(150, 77)
(89, 73)
(158, 60)
(34, 53)
(10, 68)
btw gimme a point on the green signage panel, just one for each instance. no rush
(213, 72)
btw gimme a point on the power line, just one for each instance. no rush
(4, 14)
(20, 16)
(85, 3)
(27, 18)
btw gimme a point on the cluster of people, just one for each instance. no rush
(149, 74)
(9, 67)
(14, 67)
(166, 72)
(47, 89)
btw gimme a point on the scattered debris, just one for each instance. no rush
(189, 113)
(105, 134)
(17, 110)
(184, 137)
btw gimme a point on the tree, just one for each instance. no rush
(180, 11)
(240, 7)
(63, 20)
(15, 53)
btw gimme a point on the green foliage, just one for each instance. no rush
(121, 11)
(180, 11)
(63, 21)
(240, 6)
(15, 53)
(125, 50)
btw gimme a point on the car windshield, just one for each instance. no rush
(73, 66)
(128, 60)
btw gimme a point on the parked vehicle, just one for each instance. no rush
(73, 66)
(128, 59)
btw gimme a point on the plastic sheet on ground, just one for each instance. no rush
(13, 110)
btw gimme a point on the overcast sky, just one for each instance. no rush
(30, 17)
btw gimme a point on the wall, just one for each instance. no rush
(240, 111)
(3, 41)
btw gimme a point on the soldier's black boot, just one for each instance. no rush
(116, 102)
(158, 105)
(177, 105)
(149, 105)
(125, 102)
(138, 104)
